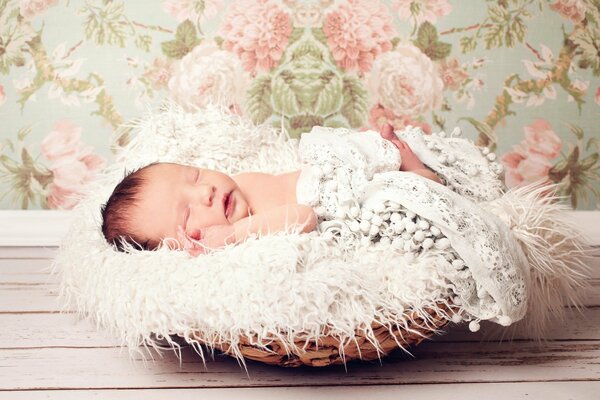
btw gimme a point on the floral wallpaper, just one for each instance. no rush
(518, 76)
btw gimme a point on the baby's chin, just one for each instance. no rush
(241, 207)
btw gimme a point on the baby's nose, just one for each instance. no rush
(207, 193)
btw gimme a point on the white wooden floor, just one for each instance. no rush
(47, 354)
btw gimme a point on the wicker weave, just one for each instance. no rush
(327, 352)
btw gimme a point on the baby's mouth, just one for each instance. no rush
(227, 205)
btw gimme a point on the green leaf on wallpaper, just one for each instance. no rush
(593, 142)
(573, 157)
(28, 162)
(143, 42)
(588, 41)
(577, 131)
(426, 35)
(258, 99)
(319, 35)
(304, 123)
(588, 162)
(185, 40)
(427, 41)
(327, 96)
(23, 132)
(284, 98)
(8, 163)
(355, 103)
(296, 34)
(507, 27)
(103, 23)
(467, 43)
(335, 122)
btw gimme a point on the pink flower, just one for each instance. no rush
(523, 168)
(208, 75)
(405, 81)
(194, 10)
(61, 199)
(422, 10)
(452, 73)
(357, 32)
(71, 164)
(159, 73)
(379, 115)
(63, 141)
(257, 31)
(530, 160)
(573, 10)
(541, 139)
(31, 8)
(3, 95)
(70, 174)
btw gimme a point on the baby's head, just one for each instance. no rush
(149, 204)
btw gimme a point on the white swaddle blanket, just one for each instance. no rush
(352, 180)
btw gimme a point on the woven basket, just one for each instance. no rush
(327, 350)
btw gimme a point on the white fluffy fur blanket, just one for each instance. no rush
(299, 284)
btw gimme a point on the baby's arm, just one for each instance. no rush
(283, 218)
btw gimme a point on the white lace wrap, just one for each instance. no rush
(352, 179)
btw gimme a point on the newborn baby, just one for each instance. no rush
(203, 208)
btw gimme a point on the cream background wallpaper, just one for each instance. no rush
(519, 76)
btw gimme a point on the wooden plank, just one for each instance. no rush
(66, 330)
(71, 368)
(468, 391)
(27, 252)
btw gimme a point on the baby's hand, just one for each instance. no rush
(201, 240)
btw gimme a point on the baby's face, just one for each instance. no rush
(192, 197)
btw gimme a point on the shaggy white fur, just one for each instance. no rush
(283, 286)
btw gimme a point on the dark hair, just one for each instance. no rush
(116, 213)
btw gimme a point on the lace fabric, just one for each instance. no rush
(353, 182)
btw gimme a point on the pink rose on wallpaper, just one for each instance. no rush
(573, 10)
(61, 199)
(357, 32)
(31, 8)
(530, 160)
(194, 10)
(257, 31)
(71, 164)
(422, 10)
(523, 168)
(2, 95)
(405, 81)
(208, 75)
(379, 115)
(159, 73)
(541, 139)
(452, 73)
(62, 142)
